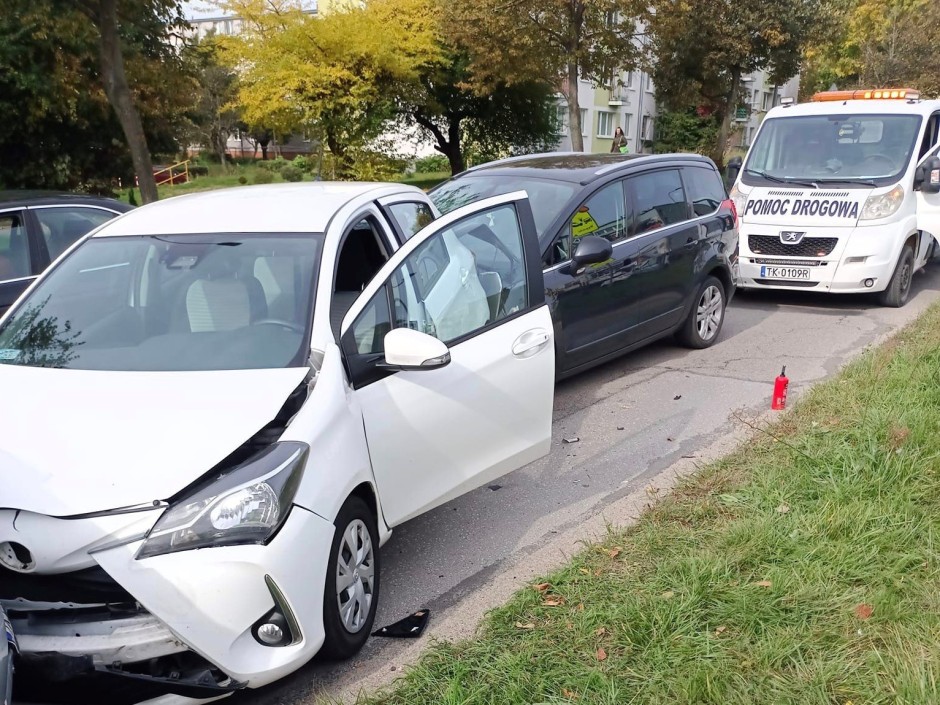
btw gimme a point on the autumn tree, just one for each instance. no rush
(879, 44)
(62, 132)
(701, 49)
(443, 104)
(332, 75)
(555, 42)
(215, 115)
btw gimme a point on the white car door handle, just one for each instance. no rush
(530, 342)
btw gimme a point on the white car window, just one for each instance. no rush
(457, 282)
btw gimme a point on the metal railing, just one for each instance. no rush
(174, 174)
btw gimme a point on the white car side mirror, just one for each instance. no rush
(407, 349)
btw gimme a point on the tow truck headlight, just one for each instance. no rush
(883, 205)
(739, 198)
(244, 506)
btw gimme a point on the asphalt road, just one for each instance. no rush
(633, 417)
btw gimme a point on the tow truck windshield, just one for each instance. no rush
(848, 150)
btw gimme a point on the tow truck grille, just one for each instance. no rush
(807, 247)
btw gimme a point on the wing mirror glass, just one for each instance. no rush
(927, 178)
(407, 349)
(592, 250)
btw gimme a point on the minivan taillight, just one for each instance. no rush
(729, 204)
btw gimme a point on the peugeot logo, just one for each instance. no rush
(16, 557)
(791, 237)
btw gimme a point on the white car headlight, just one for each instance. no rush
(740, 200)
(246, 505)
(883, 205)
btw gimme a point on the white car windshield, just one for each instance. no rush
(176, 302)
(832, 148)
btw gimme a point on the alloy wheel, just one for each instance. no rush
(709, 312)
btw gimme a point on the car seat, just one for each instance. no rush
(62, 237)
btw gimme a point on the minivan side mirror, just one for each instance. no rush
(733, 169)
(407, 349)
(592, 250)
(927, 177)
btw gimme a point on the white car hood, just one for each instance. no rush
(76, 441)
(823, 207)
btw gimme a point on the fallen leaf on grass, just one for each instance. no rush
(720, 630)
(553, 601)
(601, 654)
(763, 583)
(864, 611)
(584, 570)
(527, 625)
(570, 694)
(783, 509)
(541, 587)
(668, 595)
(580, 607)
(898, 436)
(614, 552)
(600, 631)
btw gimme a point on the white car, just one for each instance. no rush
(216, 408)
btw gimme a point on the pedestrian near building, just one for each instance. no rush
(620, 142)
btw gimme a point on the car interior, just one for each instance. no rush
(14, 249)
(361, 256)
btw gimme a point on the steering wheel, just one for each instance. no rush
(279, 322)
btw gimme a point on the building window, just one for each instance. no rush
(628, 81)
(626, 123)
(768, 97)
(647, 127)
(584, 122)
(649, 83)
(561, 118)
(605, 123)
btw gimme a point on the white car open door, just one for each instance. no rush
(450, 354)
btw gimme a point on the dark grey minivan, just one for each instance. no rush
(634, 248)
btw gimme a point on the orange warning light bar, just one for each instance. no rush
(869, 94)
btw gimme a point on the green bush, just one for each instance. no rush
(292, 173)
(432, 164)
(274, 165)
(198, 170)
(305, 164)
(263, 176)
(243, 179)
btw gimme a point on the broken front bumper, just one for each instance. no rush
(181, 623)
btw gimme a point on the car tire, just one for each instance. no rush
(899, 288)
(347, 627)
(703, 325)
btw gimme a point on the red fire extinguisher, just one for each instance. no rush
(780, 390)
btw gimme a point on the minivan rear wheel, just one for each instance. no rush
(703, 325)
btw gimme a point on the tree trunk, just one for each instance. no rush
(730, 110)
(574, 108)
(449, 144)
(119, 95)
(264, 148)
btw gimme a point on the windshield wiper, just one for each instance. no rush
(777, 179)
(863, 182)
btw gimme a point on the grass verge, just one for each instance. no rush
(802, 569)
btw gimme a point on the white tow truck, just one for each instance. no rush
(841, 194)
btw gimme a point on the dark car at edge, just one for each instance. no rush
(37, 226)
(634, 248)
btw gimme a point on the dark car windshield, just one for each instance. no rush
(179, 302)
(838, 148)
(547, 197)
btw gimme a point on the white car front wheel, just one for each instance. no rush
(351, 592)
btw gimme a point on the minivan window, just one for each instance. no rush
(14, 247)
(660, 199)
(706, 192)
(63, 225)
(842, 148)
(175, 302)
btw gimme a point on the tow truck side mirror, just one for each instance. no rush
(732, 170)
(927, 177)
